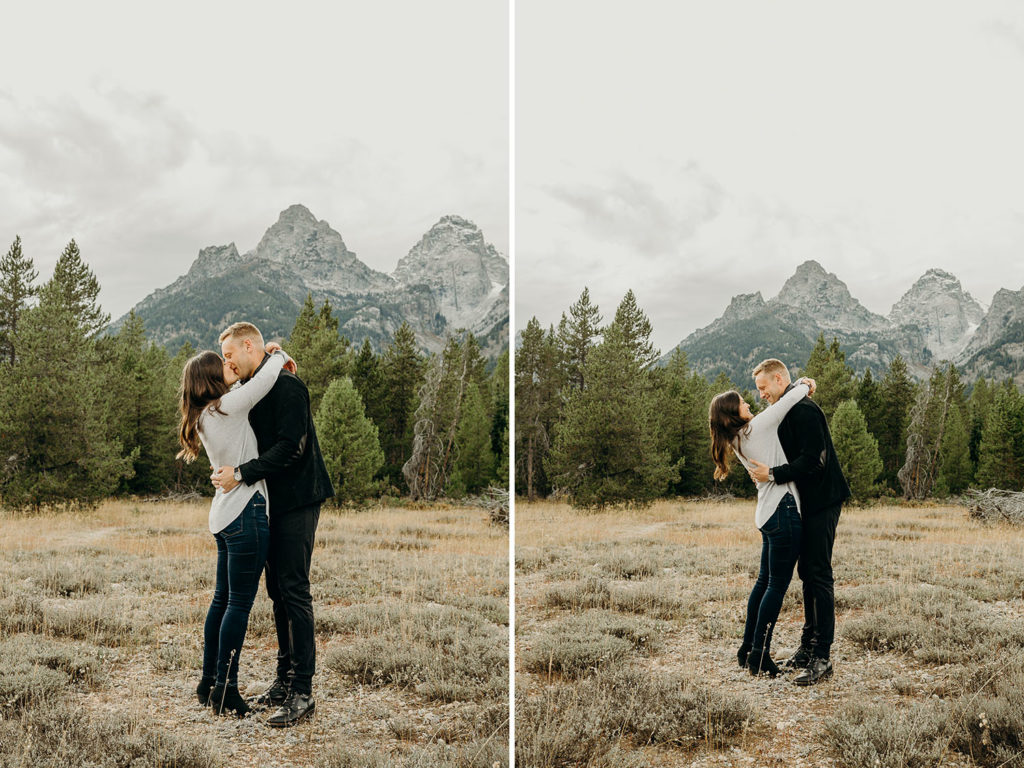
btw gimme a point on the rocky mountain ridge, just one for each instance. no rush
(935, 320)
(452, 278)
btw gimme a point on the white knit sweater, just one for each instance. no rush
(760, 441)
(230, 441)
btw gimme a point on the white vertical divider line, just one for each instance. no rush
(511, 381)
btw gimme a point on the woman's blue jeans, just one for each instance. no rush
(780, 548)
(241, 555)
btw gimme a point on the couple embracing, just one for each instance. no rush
(270, 481)
(787, 451)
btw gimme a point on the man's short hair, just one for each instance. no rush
(240, 332)
(771, 366)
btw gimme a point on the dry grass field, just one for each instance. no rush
(628, 623)
(101, 615)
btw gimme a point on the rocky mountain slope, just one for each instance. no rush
(935, 320)
(452, 278)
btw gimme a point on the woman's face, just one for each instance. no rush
(745, 413)
(229, 373)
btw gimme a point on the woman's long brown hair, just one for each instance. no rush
(726, 423)
(202, 383)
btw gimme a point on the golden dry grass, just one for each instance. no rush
(927, 571)
(126, 584)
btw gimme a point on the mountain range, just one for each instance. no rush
(935, 320)
(452, 278)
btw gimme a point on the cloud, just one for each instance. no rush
(632, 211)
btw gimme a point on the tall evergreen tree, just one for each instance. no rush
(869, 402)
(473, 465)
(978, 406)
(577, 335)
(54, 436)
(369, 382)
(402, 370)
(956, 470)
(897, 393)
(635, 330)
(606, 450)
(348, 441)
(539, 380)
(17, 287)
(320, 354)
(140, 390)
(499, 418)
(999, 460)
(76, 287)
(856, 450)
(836, 383)
(681, 412)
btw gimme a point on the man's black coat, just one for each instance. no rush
(812, 461)
(290, 458)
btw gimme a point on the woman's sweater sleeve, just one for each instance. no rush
(772, 416)
(255, 389)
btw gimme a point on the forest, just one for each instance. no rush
(88, 413)
(600, 421)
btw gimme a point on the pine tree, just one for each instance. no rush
(977, 408)
(348, 441)
(76, 287)
(897, 394)
(402, 369)
(539, 379)
(577, 335)
(869, 401)
(999, 464)
(836, 383)
(606, 449)
(956, 469)
(856, 450)
(140, 392)
(54, 437)
(17, 278)
(681, 414)
(473, 466)
(320, 354)
(369, 382)
(635, 329)
(499, 419)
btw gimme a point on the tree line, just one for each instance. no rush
(599, 423)
(87, 413)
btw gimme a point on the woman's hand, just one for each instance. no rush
(289, 364)
(811, 384)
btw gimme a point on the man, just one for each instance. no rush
(812, 464)
(297, 482)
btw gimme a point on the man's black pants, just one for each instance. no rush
(291, 548)
(815, 570)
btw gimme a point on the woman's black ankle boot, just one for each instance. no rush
(741, 655)
(203, 690)
(225, 699)
(759, 661)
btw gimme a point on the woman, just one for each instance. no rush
(238, 519)
(755, 438)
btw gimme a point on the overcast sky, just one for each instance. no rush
(147, 132)
(692, 151)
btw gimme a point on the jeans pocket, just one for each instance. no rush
(233, 529)
(772, 524)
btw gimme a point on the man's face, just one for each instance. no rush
(770, 386)
(240, 356)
